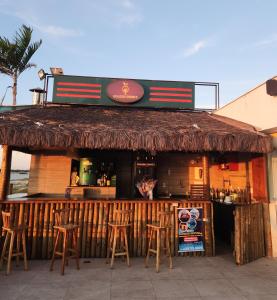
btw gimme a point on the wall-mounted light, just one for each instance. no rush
(42, 74)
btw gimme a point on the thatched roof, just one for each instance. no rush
(128, 128)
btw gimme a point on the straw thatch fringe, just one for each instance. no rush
(128, 129)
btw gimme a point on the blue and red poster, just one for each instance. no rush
(190, 229)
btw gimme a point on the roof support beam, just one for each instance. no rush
(5, 171)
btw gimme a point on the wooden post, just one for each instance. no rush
(5, 171)
(259, 181)
(206, 173)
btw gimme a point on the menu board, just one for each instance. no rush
(190, 229)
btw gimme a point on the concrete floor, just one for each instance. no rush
(192, 278)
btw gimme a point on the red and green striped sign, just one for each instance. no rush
(93, 90)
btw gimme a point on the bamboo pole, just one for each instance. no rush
(268, 237)
(94, 229)
(84, 232)
(99, 231)
(35, 230)
(45, 231)
(88, 242)
(5, 171)
(105, 230)
(139, 230)
(206, 175)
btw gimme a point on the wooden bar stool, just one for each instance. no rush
(69, 232)
(118, 235)
(13, 233)
(160, 228)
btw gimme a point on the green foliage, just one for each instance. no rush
(15, 54)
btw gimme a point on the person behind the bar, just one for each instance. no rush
(74, 179)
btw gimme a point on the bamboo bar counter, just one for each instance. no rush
(93, 216)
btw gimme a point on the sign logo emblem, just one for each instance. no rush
(125, 91)
(125, 88)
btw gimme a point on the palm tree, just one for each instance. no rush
(15, 55)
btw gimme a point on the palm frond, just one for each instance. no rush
(27, 66)
(5, 70)
(22, 40)
(6, 56)
(27, 56)
(16, 54)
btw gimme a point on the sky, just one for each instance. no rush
(233, 43)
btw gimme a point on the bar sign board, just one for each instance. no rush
(190, 229)
(123, 92)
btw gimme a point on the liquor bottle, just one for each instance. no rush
(214, 194)
(108, 182)
(235, 195)
(222, 195)
(217, 193)
(211, 193)
(113, 180)
(239, 195)
(104, 179)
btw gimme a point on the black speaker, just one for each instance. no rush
(271, 87)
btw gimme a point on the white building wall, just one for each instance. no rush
(259, 109)
(255, 107)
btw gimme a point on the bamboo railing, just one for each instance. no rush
(93, 216)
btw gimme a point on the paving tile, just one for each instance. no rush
(206, 278)
(236, 272)
(133, 298)
(201, 272)
(215, 287)
(255, 286)
(166, 274)
(223, 297)
(96, 290)
(136, 273)
(132, 290)
(21, 276)
(44, 292)
(261, 297)
(179, 298)
(11, 291)
(174, 288)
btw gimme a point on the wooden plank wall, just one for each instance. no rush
(176, 171)
(221, 178)
(93, 217)
(49, 174)
(259, 179)
(249, 233)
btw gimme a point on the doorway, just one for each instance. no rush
(224, 228)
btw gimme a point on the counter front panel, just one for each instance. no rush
(93, 216)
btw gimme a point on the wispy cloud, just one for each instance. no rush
(49, 29)
(127, 12)
(272, 40)
(58, 31)
(126, 3)
(195, 48)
